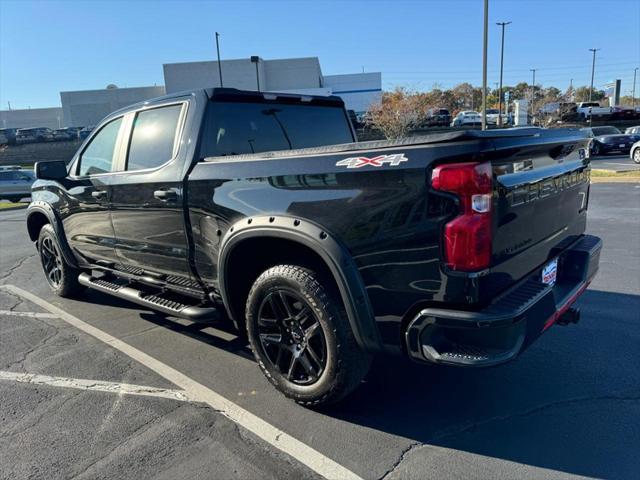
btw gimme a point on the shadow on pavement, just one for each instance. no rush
(570, 403)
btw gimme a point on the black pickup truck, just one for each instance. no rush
(456, 249)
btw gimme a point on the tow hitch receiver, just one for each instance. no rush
(572, 315)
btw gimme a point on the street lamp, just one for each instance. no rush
(633, 95)
(484, 65)
(533, 89)
(255, 59)
(593, 68)
(501, 24)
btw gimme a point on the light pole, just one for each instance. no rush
(633, 95)
(533, 89)
(255, 59)
(484, 65)
(219, 64)
(501, 24)
(593, 69)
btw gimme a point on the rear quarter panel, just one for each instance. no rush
(380, 214)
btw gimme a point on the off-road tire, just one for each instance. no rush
(346, 363)
(67, 285)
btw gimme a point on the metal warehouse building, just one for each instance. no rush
(291, 75)
(88, 107)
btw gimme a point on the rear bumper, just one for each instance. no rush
(508, 325)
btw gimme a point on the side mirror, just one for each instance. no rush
(55, 170)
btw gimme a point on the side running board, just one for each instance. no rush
(154, 301)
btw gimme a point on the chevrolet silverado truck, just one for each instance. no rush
(264, 211)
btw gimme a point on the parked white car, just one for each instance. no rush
(466, 117)
(592, 109)
(492, 117)
(634, 153)
(633, 130)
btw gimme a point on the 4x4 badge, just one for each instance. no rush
(356, 162)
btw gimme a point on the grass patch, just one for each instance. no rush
(610, 173)
(11, 204)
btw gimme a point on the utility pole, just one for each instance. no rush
(219, 64)
(593, 69)
(255, 59)
(533, 88)
(484, 64)
(501, 24)
(633, 95)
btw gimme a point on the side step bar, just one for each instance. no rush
(154, 301)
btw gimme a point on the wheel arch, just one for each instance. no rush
(294, 237)
(40, 214)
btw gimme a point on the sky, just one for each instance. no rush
(52, 46)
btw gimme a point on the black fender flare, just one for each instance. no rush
(46, 209)
(331, 251)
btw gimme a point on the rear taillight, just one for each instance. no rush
(467, 238)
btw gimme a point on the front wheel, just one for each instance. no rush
(61, 277)
(596, 149)
(301, 338)
(636, 155)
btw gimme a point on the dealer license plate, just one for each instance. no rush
(550, 272)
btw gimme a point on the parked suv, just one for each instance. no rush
(437, 117)
(452, 249)
(34, 135)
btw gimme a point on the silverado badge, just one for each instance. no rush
(356, 162)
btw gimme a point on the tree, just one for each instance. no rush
(582, 94)
(398, 112)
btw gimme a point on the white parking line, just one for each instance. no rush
(305, 454)
(95, 385)
(28, 314)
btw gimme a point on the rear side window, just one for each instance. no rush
(153, 137)
(98, 156)
(234, 128)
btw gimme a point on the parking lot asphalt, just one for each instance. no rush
(568, 407)
(617, 163)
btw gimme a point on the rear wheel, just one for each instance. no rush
(61, 277)
(636, 155)
(301, 338)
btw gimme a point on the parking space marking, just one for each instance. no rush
(95, 385)
(28, 314)
(279, 439)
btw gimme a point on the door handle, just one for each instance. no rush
(99, 194)
(166, 195)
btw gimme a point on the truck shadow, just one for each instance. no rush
(570, 403)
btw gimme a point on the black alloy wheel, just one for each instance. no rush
(291, 337)
(51, 262)
(301, 337)
(61, 276)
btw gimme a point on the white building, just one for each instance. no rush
(290, 75)
(87, 107)
(32, 117)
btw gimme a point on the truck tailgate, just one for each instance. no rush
(541, 193)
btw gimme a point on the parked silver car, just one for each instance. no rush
(633, 130)
(634, 153)
(15, 183)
